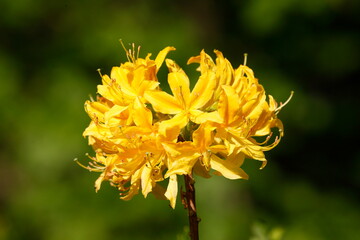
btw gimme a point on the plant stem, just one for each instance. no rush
(190, 204)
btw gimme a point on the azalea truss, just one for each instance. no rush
(142, 135)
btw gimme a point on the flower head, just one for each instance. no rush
(142, 135)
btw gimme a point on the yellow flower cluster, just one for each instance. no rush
(142, 135)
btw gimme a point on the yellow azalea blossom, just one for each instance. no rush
(132, 78)
(185, 105)
(143, 136)
(224, 73)
(215, 155)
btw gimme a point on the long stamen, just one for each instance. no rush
(91, 98)
(245, 58)
(286, 102)
(245, 61)
(138, 51)
(99, 71)
(128, 54)
(133, 48)
(87, 167)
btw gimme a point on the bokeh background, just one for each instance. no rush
(49, 54)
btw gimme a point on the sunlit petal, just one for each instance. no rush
(163, 102)
(161, 56)
(172, 190)
(227, 168)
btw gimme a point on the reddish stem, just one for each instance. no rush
(190, 204)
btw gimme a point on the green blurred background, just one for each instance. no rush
(49, 53)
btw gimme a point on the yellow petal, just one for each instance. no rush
(255, 105)
(141, 115)
(99, 181)
(97, 131)
(134, 189)
(179, 83)
(146, 181)
(161, 56)
(119, 75)
(182, 165)
(95, 108)
(171, 149)
(123, 81)
(224, 70)
(115, 111)
(200, 117)
(137, 76)
(172, 190)
(236, 159)
(228, 105)
(203, 136)
(205, 61)
(251, 149)
(195, 59)
(203, 90)
(163, 102)
(227, 168)
(244, 77)
(182, 157)
(176, 123)
(145, 86)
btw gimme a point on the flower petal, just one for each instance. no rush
(203, 136)
(121, 76)
(141, 115)
(203, 90)
(179, 83)
(176, 123)
(109, 91)
(146, 181)
(146, 86)
(161, 56)
(182, 157)
(172, 190)
(228, 105)
(224, 70)
(200, 117)
(227, 168)
(163, 102)
(116, 112)
(205, 61)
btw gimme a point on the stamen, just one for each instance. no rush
(99, 71)
(263, 164)
(80, 164)
(88, 155)
(245, 58)
(242, 70)
(267, 139)
(91, 98)
(133, 48)
(126, 51)
(96, 167)
(87, 167)
(138, 51)
(130, 55)
(283, 104)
